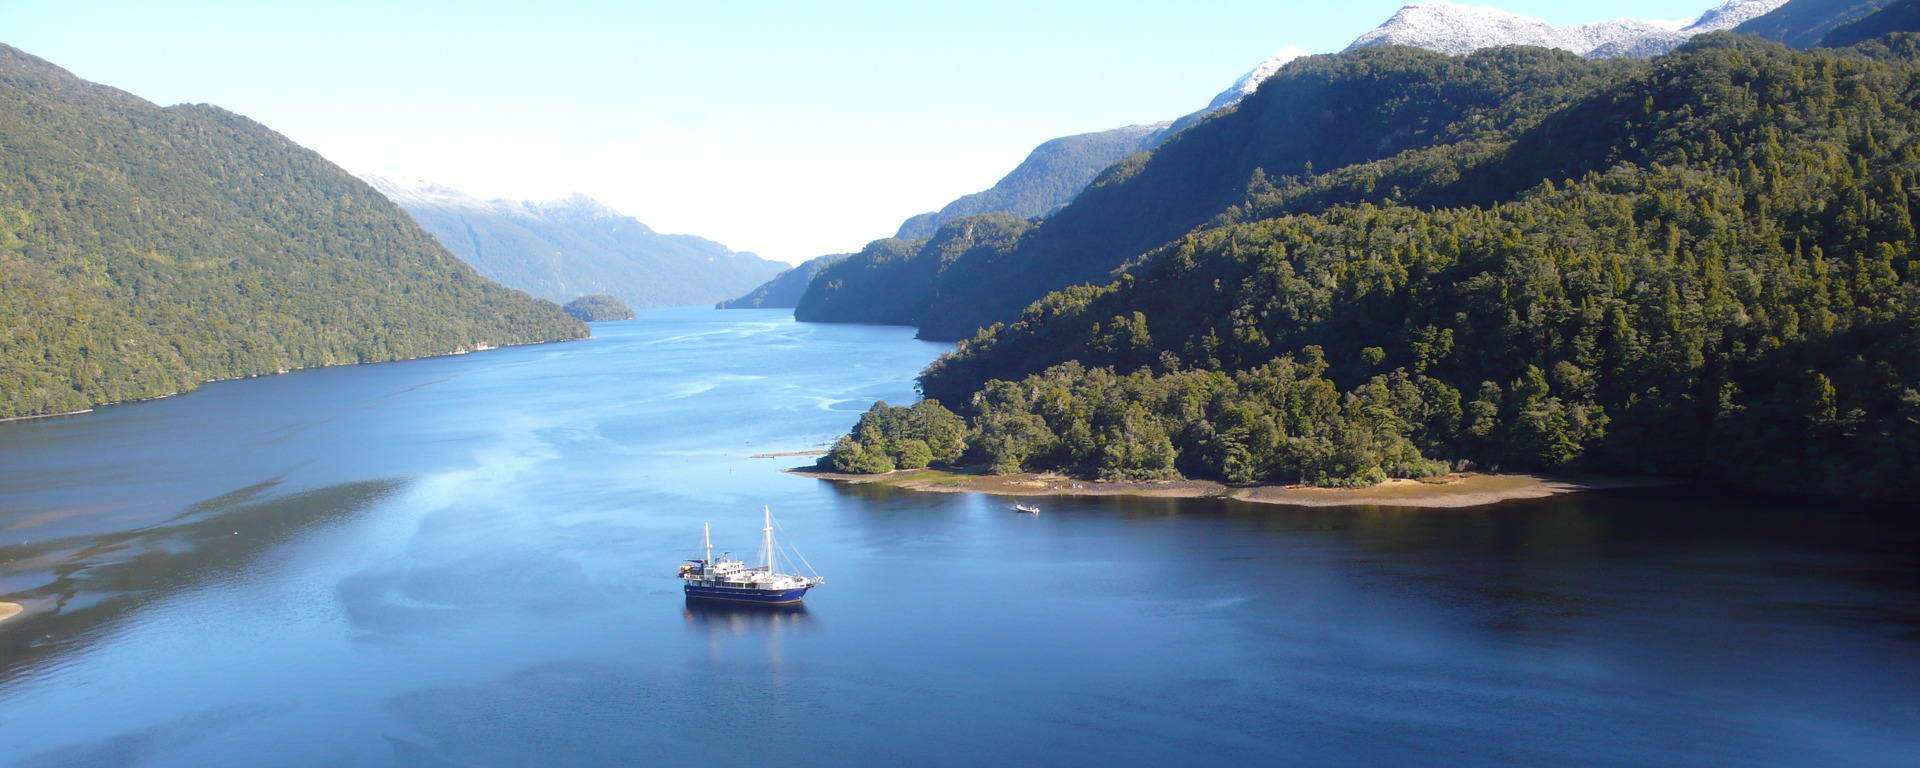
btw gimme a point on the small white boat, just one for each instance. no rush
(1026, 508)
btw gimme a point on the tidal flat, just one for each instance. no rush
(1445, 492)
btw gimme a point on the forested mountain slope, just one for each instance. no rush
(1713, 273)
(1325, 111)
(1056, 171)
(1899, 16)
(1437, 26)
(1804, 23)
(893, 281)
(1725, 287)
(145, 250)
(1048, 178)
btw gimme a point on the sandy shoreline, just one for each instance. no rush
(44, 416)
(1450, 492)
(9, 610)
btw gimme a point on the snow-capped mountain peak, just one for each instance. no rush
(1731, 14)
(422, 194)
(1456, 29)
(1249, 82)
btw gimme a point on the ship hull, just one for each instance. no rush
(737, 595)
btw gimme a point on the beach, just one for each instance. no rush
(1468, 489)
(9, 610)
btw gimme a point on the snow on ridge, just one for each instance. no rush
(1447, 27)
(1455, 29)
(423, 194)
(1731, 14)
(1249, 82)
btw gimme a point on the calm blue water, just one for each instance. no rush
(469, 561)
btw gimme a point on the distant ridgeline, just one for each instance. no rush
(1389, 263)
(1090, 238)
(1051, 175)
(145, 250)
(1899, 16)
(1327, 112)
(784, 290)
(565, 249)
(1805, 23)
(599, 308)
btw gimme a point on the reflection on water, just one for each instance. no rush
(721, 617)
(74, 586)
(469, 562)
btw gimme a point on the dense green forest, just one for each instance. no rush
(1322, 111)
(599, 308)
(1710, 273)
(145, 250)
(894, 281)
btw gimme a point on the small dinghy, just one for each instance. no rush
(1026, 509)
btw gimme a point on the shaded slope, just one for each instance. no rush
(1901, 16)
(1804, 23)
(1048, 178)
(1325, 111)
(785, 289)
(894, 281)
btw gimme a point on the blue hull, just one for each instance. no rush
(762, 596)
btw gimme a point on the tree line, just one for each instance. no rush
(1712, 273)
(145, 250)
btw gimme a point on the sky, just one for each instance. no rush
(791, 129)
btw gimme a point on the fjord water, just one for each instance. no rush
(469, 561)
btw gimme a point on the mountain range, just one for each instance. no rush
(1395, 263)
(1898, 16)
(1459, 29)
(564, 249)
(1804, 23)
(144, 250)
(1060, 169)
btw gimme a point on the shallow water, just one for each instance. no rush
(469, 561)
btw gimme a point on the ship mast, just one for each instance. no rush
(706, 535)
(769, 532)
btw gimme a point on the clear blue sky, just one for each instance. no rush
(788, 128)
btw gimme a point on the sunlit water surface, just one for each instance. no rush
(469, 561)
